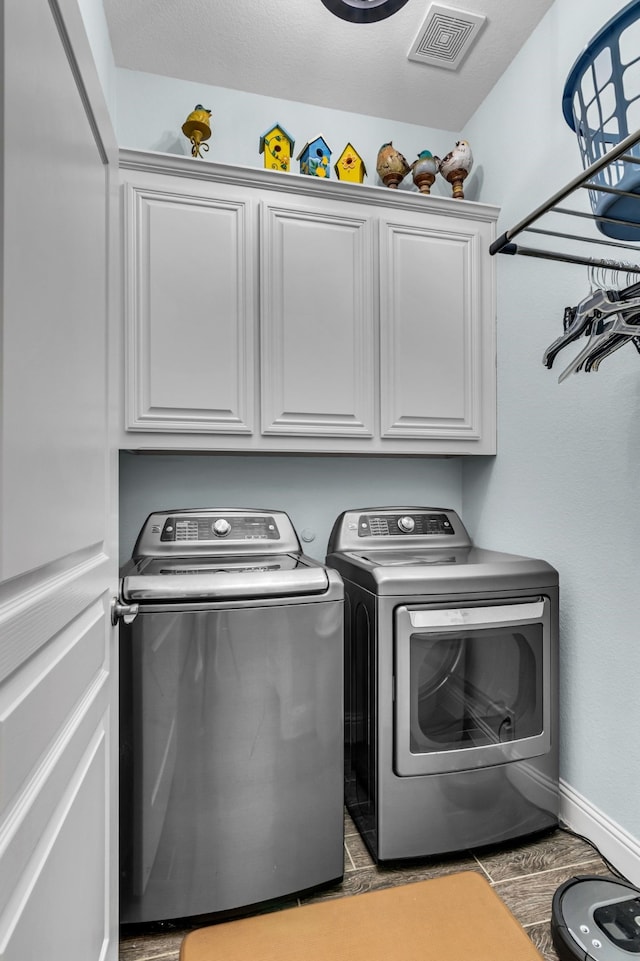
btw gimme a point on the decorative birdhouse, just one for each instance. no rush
(277, 146)
(315, 158)
(350, 165)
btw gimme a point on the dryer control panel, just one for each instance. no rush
(386, 527)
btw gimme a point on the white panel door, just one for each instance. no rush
(191, 310)
(317, 322)
(436, 360)
(58, 696)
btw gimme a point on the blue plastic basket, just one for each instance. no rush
(601, 103)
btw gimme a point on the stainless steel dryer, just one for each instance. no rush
(451, 737)
(231, 715)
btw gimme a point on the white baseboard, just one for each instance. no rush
(616, 845)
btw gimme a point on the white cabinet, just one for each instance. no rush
(317, 331)
(276, 312)
(190, 308)
(435, 329)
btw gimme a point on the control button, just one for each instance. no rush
(406, 524)
(221, 527)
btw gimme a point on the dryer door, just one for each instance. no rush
(471, 686)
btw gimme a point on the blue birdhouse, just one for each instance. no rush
(315, 158)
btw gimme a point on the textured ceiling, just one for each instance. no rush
(297, 50)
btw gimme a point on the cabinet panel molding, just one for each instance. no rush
(431, 330)
(317, 321)
(298, 186)
(190, 312)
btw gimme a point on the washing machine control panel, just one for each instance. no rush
(206, 528)
(216, 530)
(388, 525)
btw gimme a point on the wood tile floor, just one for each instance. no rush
(525, 875)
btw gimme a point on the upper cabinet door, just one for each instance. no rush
(437, 369)
(317, 323)
(190, 308)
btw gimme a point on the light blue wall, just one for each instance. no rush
(152, 110)
(312, 490)
(564, 485)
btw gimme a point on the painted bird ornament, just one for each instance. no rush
(197, 128)
(200, 113)
(424, 169)
(391, 166)
(455, 167)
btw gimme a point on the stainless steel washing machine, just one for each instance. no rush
(451, 684)
(231, 649)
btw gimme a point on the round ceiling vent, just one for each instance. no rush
(364, 11)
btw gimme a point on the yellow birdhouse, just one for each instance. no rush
(277, 147)
(350, 165)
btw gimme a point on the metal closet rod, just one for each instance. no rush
(503, 245)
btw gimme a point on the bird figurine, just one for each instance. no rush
(455, 167)
(391, 166)
(424, 169)
(197, 128)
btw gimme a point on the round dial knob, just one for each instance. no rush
(221, 527)
(406, 524)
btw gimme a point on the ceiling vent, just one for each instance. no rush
(445, 37)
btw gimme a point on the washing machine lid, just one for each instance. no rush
(219, 554)
(595, 917)
(222, 578)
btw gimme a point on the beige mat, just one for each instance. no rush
(452, 918)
